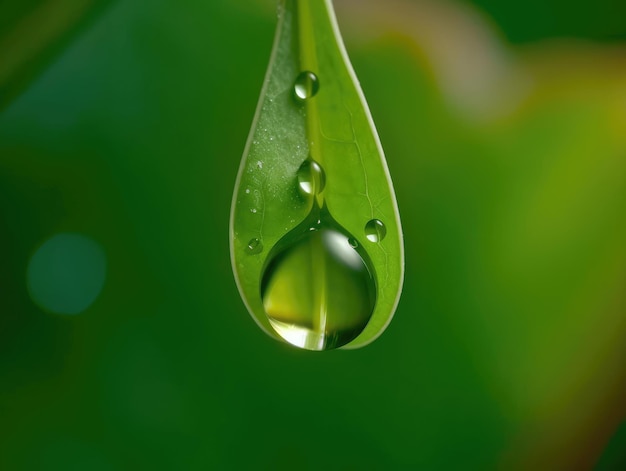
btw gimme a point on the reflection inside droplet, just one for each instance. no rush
(66, 274)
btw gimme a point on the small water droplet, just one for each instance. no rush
(253, 210)
(353, 243)
(259, 164)
(311, 177)
(375, 230)
(247, 191)
(255, 246)
(306, 85)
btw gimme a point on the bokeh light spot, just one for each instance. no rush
(66, 274)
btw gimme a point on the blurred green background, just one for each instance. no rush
(123, 341)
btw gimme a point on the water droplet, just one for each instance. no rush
(375, 230)
(311, 177)
(306, 85)
(253, 210)
(247, 191)
(318, 292)
(255, 246)
(353, 242)
(259, 164)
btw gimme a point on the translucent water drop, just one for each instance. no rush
(313, 171)
(375, 230)
(306, 85)
(255, 246)
(311, 177)
(318, 292)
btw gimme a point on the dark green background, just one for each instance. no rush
(508, 343)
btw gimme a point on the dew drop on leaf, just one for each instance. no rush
(306, 85)
(375, 230)
(311, 178)
(255, 246)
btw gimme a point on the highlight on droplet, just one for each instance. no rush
(66, 273)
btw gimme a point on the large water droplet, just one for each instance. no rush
(375, 230)
(311, 177)
(306, 85)
(317, 290)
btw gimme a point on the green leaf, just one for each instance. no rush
(316, 242)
